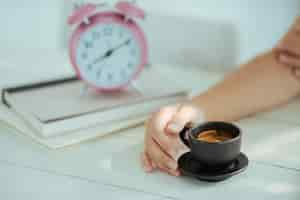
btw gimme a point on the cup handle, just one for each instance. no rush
(182, 135)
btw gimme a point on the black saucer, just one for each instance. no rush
(190, 167)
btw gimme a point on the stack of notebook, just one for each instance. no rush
(56, 113)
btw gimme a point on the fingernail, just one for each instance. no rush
(153, 165)
(174, 128)
(147, 168)
(174, 172)
(177, 173)
(282, 58)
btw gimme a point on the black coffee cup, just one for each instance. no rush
(213, 154)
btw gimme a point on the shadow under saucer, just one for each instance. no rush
(190, 167)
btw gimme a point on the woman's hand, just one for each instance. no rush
(289, 48)
(163, 146)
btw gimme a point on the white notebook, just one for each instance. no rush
(10, 119)
(57, 108)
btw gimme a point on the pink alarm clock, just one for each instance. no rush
(107, 49)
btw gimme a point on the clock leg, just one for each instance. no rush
(148, 65)
(126, 19)
(86, 20)
(84, 90)
(135, 85)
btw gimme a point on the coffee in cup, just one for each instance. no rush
(213, 144)
(214, 136)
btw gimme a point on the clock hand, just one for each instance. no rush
(102, 57)
(111, 51)
(120, 46)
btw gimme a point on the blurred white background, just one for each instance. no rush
(214, 34)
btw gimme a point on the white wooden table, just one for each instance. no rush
(109, 168)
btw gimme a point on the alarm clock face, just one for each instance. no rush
(108, 55)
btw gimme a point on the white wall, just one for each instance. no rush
(256, 24)
(31, 24)
(216, 29)
(259, 23)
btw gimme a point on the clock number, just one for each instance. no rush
(123, 73)
(132, 52)
(108, 44)
(84, 55)
(129, 65)
(108, 31)
(88, 44)
(90, 67)
(121, 34)
(96, 35)
(110, 77)
(99, 73)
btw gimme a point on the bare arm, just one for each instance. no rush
(263, 83)
(257, 86)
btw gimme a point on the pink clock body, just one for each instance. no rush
(108, 49)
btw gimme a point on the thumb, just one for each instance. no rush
(184, 115)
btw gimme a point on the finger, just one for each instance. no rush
(152, 163)
(146, 162)
(165, 157)
(291, 37)
(160, 158)
(157, 131)
(296, 25)
(172, 146)
(185, 114)
(290, 60)
(170, 172)
(181, 149)
(290, 43)
(164, 142)
(154, 166)
(164, 116)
